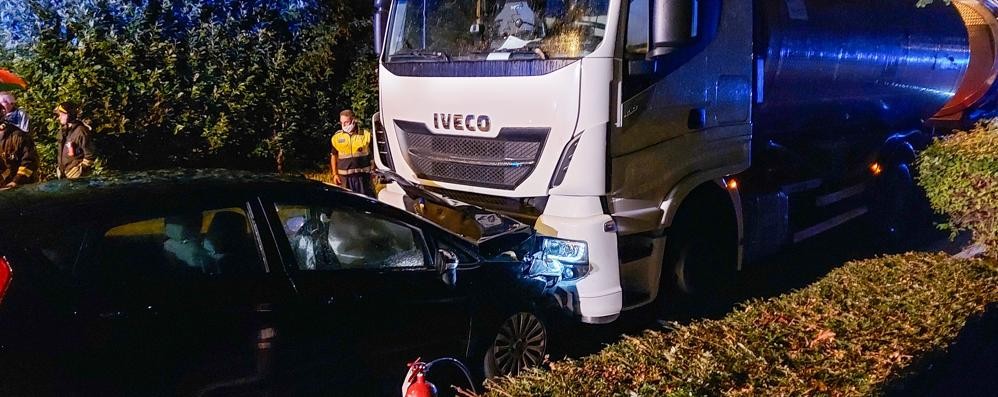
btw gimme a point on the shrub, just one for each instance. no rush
(960, 176)
(848, 334)
(249, 84)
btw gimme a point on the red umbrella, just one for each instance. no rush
(11, 81)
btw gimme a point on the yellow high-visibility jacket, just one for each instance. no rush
(352, 151)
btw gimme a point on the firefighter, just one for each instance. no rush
(15, 115)
(350, 158)
(76, 146)
(20, 158)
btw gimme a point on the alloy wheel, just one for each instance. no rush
(520, 342)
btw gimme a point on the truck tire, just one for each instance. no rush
(700, 266)
(900, 211)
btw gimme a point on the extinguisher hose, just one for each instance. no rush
(459, 365)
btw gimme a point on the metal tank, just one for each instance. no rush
(978, 93)
(854, 65)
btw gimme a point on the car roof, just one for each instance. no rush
(129, 186)
(98, 196)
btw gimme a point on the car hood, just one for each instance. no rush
(492, 233)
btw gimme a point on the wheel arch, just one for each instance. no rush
(693, 192)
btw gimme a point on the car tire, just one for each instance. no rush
(516, 343)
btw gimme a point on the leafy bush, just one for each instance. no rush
(849, 334)
(960, 176)
(238, 84)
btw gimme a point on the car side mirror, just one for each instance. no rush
(446, 263)
(672, 24)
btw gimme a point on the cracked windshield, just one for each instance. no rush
(470, 30)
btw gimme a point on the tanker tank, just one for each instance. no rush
(977, 95)
(849, 66)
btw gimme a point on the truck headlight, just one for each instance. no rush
(557, 260)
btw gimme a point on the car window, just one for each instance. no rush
(324, 238)
(60, 250)
(216, 242)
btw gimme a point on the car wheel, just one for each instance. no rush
(520, 342)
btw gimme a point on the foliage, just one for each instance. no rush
(851, 333)
(166, 83)
(923, 3)
(960, 176)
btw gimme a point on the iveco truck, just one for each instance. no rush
(665, 143)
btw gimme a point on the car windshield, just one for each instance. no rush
(474, 30)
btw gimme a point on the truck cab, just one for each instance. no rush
(676, 140)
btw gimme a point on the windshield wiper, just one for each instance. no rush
(419, 55)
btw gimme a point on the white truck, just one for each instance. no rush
(668, 142)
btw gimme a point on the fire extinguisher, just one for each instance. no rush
(415, 384)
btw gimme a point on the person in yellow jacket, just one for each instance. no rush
(350, 157)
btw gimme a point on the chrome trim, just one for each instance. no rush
(506, 162)
(599, 320)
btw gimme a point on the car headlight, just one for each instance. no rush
(557, 260)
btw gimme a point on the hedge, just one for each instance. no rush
(248, 84)
(960, 176)
(847, 334)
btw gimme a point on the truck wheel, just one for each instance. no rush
(699, 270)
(899, 210)
(519, 342)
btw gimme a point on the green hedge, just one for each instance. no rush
(248, 84)
(848, 334)
(960, 176)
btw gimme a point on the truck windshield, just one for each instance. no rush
(476, 30)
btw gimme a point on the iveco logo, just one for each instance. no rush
(462, 122)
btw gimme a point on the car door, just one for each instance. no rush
(369, 293)
(178, 298)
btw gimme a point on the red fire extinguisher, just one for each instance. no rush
(415, 384)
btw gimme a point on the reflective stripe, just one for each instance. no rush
(358, 162)
(24, 171)
(352, 152)
(86, 163)
(354, 171)
(350, 156)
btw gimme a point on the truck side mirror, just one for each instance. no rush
(672, 24)
(446, 263)
(380, 19)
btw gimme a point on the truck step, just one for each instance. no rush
(801, 186)
(829, 224)
(834, 197)
(633, 299)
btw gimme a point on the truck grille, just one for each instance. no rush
(501, 162)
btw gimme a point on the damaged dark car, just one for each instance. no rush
(230, 283)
